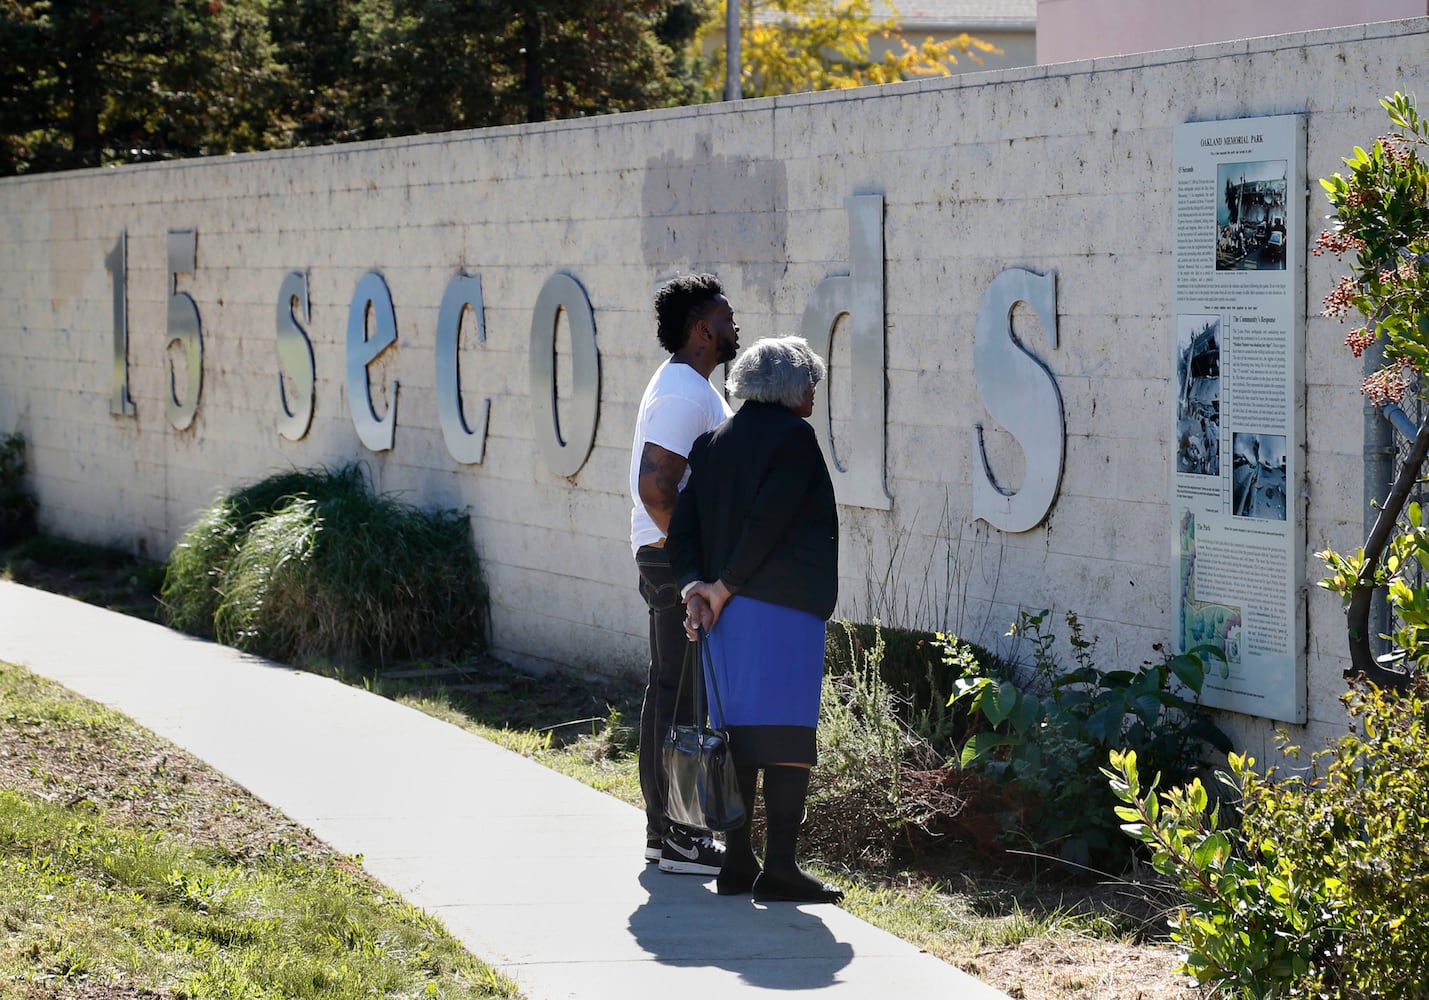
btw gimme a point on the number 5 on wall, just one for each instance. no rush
(184, 329)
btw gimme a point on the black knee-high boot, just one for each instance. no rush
(740, 867)
(785, 789)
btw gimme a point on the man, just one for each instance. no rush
(696, 325)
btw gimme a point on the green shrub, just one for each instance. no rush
(312, 564)
(1050, 738)
(1320, 891)
(17, 506)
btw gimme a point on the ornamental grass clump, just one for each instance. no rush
(313, 565)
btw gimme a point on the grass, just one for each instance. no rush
(100, 882)
(1034, 938)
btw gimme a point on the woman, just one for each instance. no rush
(754, 545)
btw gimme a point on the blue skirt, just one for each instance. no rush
(767, 662)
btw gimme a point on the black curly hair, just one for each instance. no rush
(680, 303)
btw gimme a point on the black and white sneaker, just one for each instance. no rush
(653, 848)
(683, 854)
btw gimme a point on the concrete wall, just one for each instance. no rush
(1062, 169)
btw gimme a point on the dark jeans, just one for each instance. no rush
(662, 683)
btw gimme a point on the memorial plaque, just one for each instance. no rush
(1238, 258)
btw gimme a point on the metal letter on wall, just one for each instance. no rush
(859, 294)
(295, 357)
(1022, 395)
(371, 296)
(184, 329)
(466, 445)
(117, 263)
(564, 454)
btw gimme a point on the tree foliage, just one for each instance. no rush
(1382, 219)
(787, 46)
(94, 82)
(89, 82)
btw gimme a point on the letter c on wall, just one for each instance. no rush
(1022, 396)
(465, 443)
(564, 454)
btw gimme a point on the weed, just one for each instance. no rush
(17, 505)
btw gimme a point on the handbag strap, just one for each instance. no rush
(702, 659)
(691, 656)
(707, 661)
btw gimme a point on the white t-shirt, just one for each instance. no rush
(678, 406)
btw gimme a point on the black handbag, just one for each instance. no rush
(701, 790)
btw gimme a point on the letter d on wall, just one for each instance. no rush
(858, 482)
(1022, 396)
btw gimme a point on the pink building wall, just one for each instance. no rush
(1081, 29)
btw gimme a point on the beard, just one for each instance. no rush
(727, 350)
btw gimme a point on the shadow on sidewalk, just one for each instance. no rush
(773, 946)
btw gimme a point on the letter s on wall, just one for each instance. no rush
(1021, 394)
(295, 357)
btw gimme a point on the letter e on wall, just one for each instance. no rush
(372, 297)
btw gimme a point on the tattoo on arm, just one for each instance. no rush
(659, 483)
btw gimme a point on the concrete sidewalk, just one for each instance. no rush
(534, 872)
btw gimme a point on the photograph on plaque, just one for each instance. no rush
(1259, 476)
(1198, 402)
(1204, 623)
(1251, 214)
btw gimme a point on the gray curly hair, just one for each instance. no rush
(776, 370)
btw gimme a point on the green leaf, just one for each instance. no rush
(980, 744)
(1028, 711)
(999, 701)
(1188, 671)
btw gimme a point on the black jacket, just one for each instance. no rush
(758, 512)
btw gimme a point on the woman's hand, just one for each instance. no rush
(697, 612)
(705, 602)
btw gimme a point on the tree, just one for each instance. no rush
(788, 46)
(92, 82)
(88, 82)
(1382, 218)
(445, 64)
(317, 43)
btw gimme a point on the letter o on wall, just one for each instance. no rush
(564, 453)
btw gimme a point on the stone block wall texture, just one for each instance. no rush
(1064, 169)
